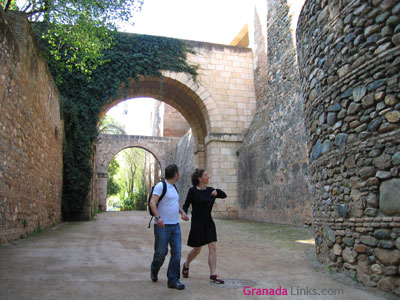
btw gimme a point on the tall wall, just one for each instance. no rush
(349, 57)
(227, 103)
(30, 136)
(273, 164)
(185, 160)
(175, 124)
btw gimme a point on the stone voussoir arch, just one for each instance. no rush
(187, 96)
(109, 145)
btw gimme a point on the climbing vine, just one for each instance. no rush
(131, 56)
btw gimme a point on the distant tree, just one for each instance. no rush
(110, 126)
(112, 186)
(78, 31)
(130, 180)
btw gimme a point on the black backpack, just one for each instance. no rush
(164, 191)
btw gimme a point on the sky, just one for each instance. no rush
(134, 114)
(214, 21)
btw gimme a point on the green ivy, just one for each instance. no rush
(131, 56)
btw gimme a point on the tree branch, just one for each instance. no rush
(7, 5)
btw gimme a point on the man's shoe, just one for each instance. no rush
(153, 276)
(178, 285)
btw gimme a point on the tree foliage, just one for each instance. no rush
(8, 4)
(110, 126)
(112, 186)
(78, 31)
(131, 178)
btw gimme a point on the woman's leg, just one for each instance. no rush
(192, 255)
(212, 257)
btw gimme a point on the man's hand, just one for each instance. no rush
(160, 223)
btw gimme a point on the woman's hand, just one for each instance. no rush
(185, 217)
(214, 193)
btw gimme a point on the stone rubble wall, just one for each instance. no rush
(31, 134)
(273, 163)
(349, 58)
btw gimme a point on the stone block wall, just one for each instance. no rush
(31, 133)
(175, 124)
(222, 156)
(349, 59)
(225, 87)
(273, 164)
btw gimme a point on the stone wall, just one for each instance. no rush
(30, 136)
(273, 164)
(219, 106)
(226, 89)
(175, 124)
(349, 57)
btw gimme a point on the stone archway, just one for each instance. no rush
(182, 93)
(108, 145)
(218, 106)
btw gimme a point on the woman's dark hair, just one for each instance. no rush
(170, 171)
(195, 176)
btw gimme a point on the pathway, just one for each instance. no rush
(109, 259)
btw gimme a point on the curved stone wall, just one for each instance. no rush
(349, 61)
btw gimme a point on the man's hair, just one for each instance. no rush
(195, 176)
(170, 171)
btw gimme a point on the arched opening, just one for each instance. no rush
(131, 174)
(179, 95)
(161, 127)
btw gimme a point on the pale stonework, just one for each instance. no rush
(218, 106)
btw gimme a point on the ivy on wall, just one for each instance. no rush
(131, 56)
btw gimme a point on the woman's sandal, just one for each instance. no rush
(185, 271)
(216, 279)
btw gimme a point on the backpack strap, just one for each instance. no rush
(176, 189)
(164, 191)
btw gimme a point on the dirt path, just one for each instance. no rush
(109, 259)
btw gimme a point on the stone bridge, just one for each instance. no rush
(109, 145)
(218, 106)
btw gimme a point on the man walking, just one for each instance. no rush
(167, 229)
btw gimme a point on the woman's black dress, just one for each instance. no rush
(202, 229)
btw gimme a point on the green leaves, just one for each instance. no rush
(78, 31)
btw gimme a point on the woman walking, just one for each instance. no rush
(202, 229)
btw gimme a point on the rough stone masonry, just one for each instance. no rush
(31, 134)
(349, 58)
